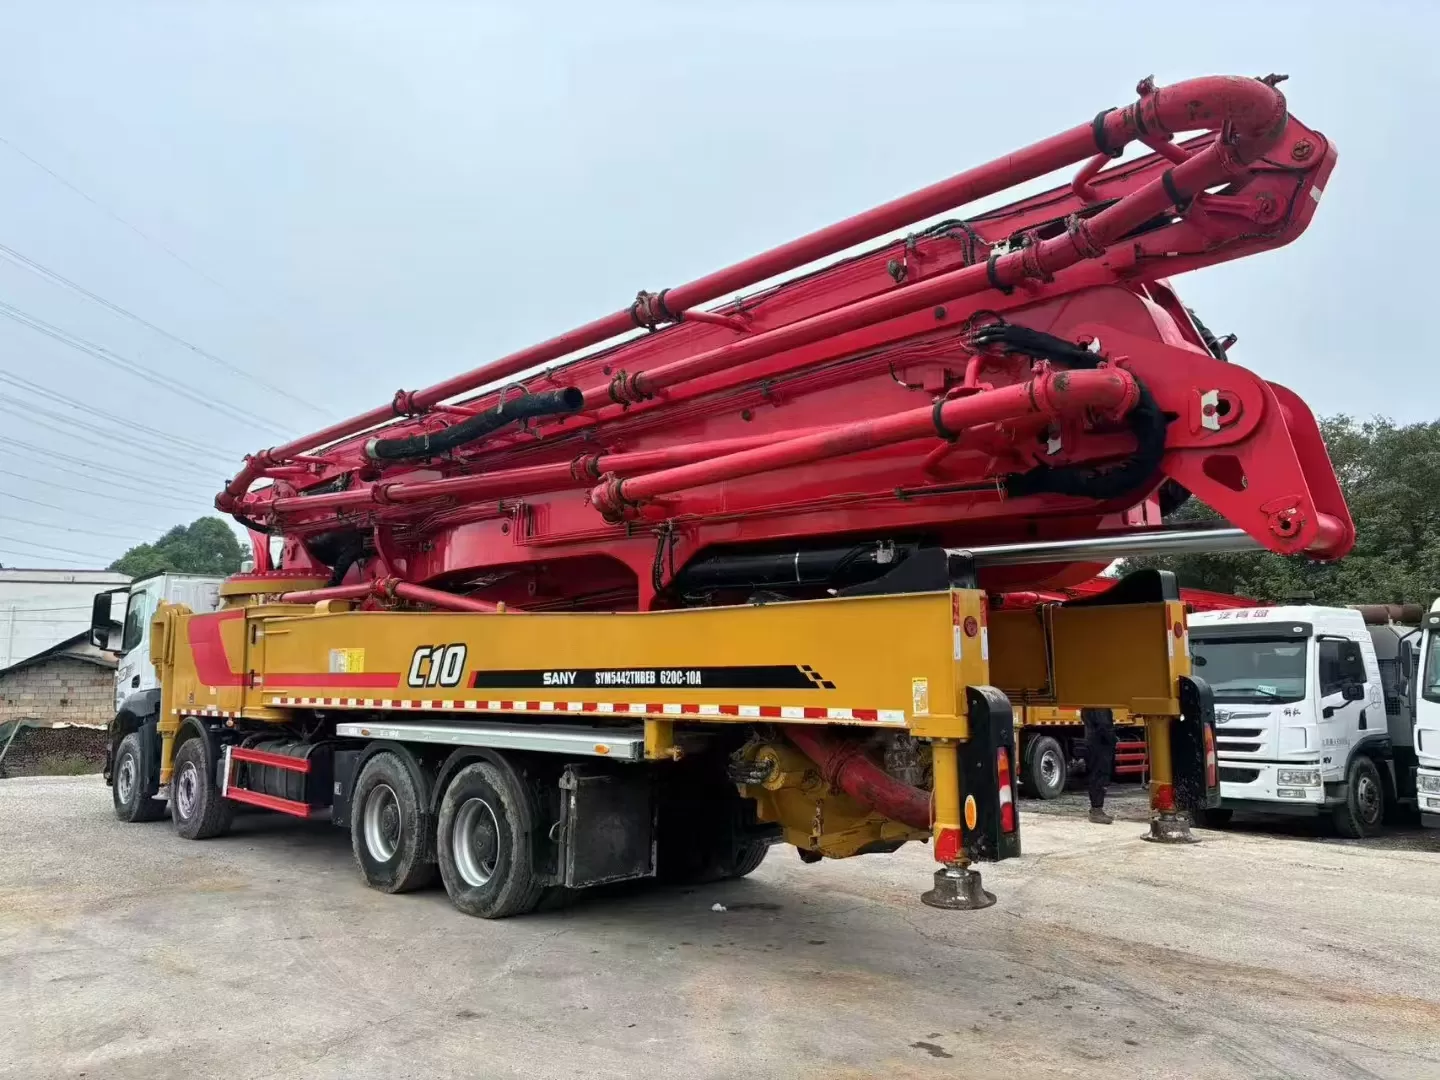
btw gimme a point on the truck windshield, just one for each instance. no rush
(1430, 680)
(1251, 669)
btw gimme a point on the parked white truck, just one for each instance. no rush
(1427, 721)
(1313, 710)
(120, 623)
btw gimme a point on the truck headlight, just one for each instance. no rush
(1301, 778)
(1428, 784)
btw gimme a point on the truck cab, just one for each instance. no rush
(1304, 722)
(1426, 698)
(120, 622)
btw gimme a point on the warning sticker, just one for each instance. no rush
(347, 661)
(920, 697)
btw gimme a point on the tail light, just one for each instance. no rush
(1212, 769)
(1007, 797)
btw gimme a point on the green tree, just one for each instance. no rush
(206, 546)
(1391, 478)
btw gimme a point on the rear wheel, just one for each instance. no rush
(389, 826)
(486, 842)
(1046, 769)
(1363, 811)
(749, 858)
(196, 805)
(132, 802)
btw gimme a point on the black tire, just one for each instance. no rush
(1213, 817)
(390, 826)
(1362, 813)
(1046, 770)
(132, 804)
(198, 809)
(486, 842)
(749, 858)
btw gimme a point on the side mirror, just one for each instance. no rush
(100, 621)
(1407, 659)
(1353, 692)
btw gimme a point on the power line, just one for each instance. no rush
(131, 367)
(177, 504)
(98, 439)
(51, 547)
(111, 535)
(177, 507)
(45, 455)
(59, 279)
(112, 215)
(64, 399)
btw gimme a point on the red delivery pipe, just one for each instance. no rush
(394, 588)
(1254, 113)
(844, 765)
(1250, 110)
(1051, 394)
(526, 480)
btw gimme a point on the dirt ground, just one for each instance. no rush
(62, 751)
(127, 952)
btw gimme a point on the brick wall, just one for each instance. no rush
(58, 690)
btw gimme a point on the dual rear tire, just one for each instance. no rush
(484, 846)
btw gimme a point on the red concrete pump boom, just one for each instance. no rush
(1023, 374)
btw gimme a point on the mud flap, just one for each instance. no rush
(1192, 747)
(989, 778)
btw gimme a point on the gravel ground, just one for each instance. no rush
(126, 952)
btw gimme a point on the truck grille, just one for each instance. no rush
(1232, 775)
(1238, 740)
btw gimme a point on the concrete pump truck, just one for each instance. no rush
(714, 571)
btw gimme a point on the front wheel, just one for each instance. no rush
(1363, 810)
(486, 843)
(132, 802)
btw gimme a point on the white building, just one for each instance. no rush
(41, 608)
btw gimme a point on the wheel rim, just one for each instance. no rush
(475, 839)
(125, 779)
(1367, 797)
(1050, 769)
(187, 789)
(382, 822)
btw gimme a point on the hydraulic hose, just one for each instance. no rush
(843, 764)
(524, 407)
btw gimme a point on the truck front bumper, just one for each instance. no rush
(1262, 792)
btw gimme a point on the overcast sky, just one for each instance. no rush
(343, 200)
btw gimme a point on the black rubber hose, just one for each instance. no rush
(521, 407)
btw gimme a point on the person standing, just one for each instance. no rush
(1099, 759)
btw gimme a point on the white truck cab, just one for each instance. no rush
(1311, 717)
(133, 757)
(1427, 721)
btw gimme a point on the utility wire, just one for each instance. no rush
(187, 445)
(173, 506)
(112, 215)
(98, 439)
(111, 495)
(64, 551)
(177, 504)
(60, 279)
(131, 367)
(108, 535)
(124, 478)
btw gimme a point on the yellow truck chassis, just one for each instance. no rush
(555, 751)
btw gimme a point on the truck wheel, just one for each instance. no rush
(132, 803)
(749, 858)
(196, 805)
(486, 843)
(1363, 810)
(389, 827)
(1046, 769)
(1212, 817)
